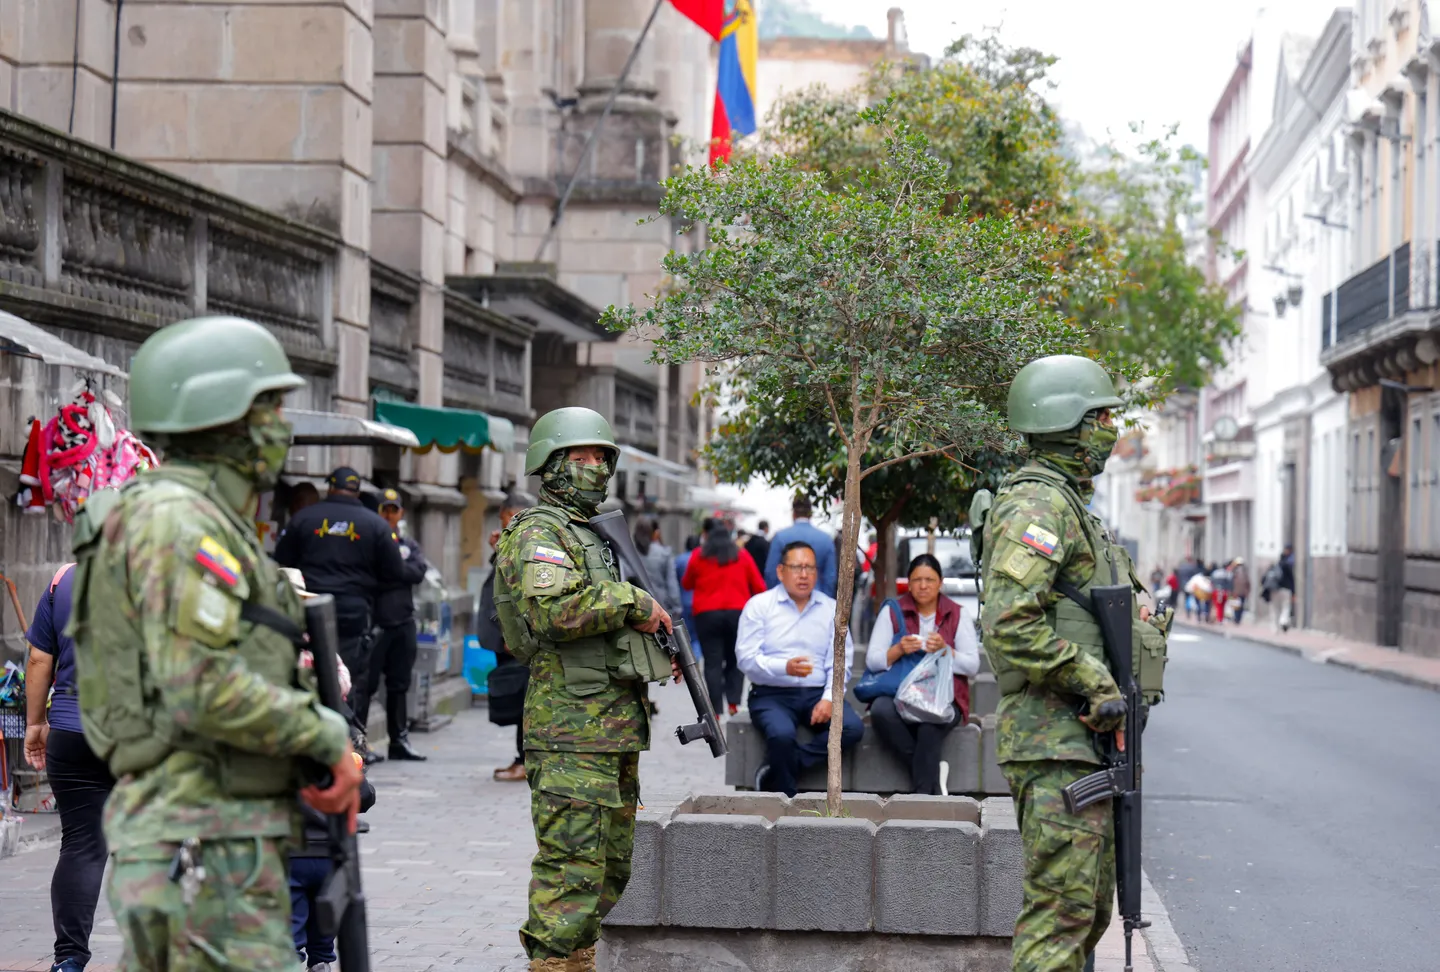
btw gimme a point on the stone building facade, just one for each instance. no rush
(376, 180)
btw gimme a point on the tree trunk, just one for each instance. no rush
(886, 566)
(844, 597)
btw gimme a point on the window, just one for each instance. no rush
(1422, 162)
(1414, 508)
(1427, 473)
(1368, 527)
(1352, 470)
(1337, 484)
(1321, 497)
(1372, 244)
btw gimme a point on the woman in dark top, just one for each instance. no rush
(933, 622)
(723, 578)
(80, 780)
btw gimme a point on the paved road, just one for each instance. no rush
(1292, 812)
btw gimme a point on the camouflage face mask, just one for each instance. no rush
(1099, 441)
(270, 435)
(1081, 451)
(579, 484)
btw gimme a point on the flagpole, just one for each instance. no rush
(594, 133)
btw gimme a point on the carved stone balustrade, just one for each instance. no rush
(487, 359)
(91, 241)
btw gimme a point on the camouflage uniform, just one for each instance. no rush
(1049, 662)
(584, 726)
(206, 738)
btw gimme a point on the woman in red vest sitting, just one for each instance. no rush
(932, 622)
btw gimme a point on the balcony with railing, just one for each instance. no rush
(1380, 322)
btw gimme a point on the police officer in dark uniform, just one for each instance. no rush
(394, 653)
(349, 552)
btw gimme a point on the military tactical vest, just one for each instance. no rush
(1071, 616)
(125, 720)
(589, 663)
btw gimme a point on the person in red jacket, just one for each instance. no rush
(723, 577)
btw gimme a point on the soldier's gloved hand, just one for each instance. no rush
(1107, 716)
(342, 796)
(658, 616)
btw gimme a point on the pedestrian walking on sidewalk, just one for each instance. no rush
(585, 634)
(1220, 579)
(723, 578)
(1048, 654)
(1284, 603)
(1239, 587)
(79, 779)
(186, 690)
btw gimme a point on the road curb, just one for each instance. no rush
(1167, 952)
(1339, 661)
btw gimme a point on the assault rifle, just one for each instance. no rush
(340, 906)
(1119, 781)
(611, 528)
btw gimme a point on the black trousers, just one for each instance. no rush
(81, 783)
(393, 659)
(717, 631)
(352, 629)
(917, 744)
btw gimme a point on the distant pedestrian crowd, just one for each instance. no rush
(1221, 591)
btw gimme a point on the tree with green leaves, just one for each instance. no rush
(875, 302)
(984, 110)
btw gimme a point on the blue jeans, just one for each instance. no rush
(777, 712)
(307, 876)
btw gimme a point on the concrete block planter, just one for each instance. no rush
(761, 881)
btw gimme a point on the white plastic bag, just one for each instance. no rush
(928, 692)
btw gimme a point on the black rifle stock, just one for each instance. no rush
(1120, 780)
(340, 906)
(611, 528)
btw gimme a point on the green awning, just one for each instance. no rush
(448, 429)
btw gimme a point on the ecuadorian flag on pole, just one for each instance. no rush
(735, 25)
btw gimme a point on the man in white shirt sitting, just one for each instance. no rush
(786, 648)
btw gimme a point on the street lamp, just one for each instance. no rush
(1280, 304)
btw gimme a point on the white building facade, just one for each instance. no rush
(1300, 172)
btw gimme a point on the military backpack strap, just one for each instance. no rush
(1075, 594)
(277, 621)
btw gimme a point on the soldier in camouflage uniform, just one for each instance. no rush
(1040, 542)
(565, 611)
(196, 708)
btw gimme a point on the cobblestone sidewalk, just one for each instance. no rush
(446, 862)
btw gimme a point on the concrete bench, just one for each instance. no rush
(871, 767)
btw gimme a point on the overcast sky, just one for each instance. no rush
(1155, 61)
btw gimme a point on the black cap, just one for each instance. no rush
(344, 478)
(390, 497)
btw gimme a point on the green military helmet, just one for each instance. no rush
(564, 428)
(203, 373)
(1053, 394)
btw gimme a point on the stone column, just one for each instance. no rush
(412, 68)
(40, 76)
(611, 30)
(271, 103)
